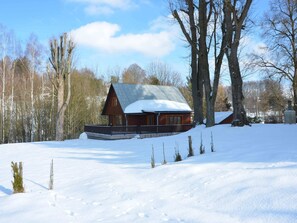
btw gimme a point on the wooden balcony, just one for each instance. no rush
(121, 132)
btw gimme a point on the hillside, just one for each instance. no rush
(251, 177)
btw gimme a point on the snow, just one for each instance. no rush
(251, 178)
(220, 116)
(141, 106)
(83, 136)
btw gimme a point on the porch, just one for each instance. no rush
(126, 132)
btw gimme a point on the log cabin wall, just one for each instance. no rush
(174, 119)
(136, 120)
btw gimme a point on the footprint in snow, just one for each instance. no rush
(142, 215)
(70, 213)
(95, 203)
(51, 204)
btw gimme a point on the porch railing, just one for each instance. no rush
(142, 129)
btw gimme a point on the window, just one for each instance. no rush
(173, 120)
(150, 120)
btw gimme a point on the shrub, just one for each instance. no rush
(17, 183)
(177, 156)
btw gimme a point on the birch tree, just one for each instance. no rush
(5, 44)
(33, 53)
(61, 61)
(12, 119)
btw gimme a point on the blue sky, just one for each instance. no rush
(108, 33)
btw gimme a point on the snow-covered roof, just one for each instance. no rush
(137, 98)
(156, 106)
(220, 116)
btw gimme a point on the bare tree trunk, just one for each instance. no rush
(295, 88)
(239, 114)
(61, 61)
(53, 114)
(196, 76)
(234, 20)
(3, 97)
(32, 122)
(203, 60)
(42, 119)
(61, 112)
(12, 115)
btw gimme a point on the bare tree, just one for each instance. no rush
(235, 14)
(5, 47)
(280, 56)
(33, 53)
(160, 73)
(188, 25)
(61, 61)
(210, 43)
(134, 74)
(12, 118)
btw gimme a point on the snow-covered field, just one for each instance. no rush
(252, 177)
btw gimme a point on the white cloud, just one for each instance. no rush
(103, 37)
(95, 7)
(95, 10)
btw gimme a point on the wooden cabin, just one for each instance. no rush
(140, 105)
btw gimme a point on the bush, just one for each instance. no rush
(17, 183)
(255, 119)
(177, 156)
